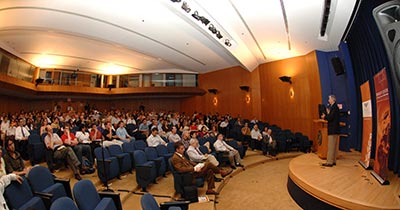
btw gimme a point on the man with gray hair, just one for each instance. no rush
(197, 156)
(333, 117)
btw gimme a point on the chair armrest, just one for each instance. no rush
(114, 196)
(46, 198)
(184, 205)
(66, 185)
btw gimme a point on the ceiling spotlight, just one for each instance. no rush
(219, 36)
(186, 7)
(212, 29)
(176, 0)
(204, 20)
(228, 43)
(196, 15)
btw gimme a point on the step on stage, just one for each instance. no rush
(345, 186)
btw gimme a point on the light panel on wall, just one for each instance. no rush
(247, 99)
(215, 101)
(291, 93)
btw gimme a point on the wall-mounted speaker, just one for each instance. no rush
(245, 88)
(337, 65)
(213, 91)
(387, 18)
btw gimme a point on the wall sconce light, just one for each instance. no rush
(38, 81)
(228, 43)
(213, 91)
(215, 101)
(286, 79)
(247, 99)
(111, 86)
(291, 93)
(245, 88)
(186, 7)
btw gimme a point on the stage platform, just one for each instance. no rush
(345, 186)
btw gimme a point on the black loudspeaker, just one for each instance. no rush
(337, 65)
(387, 18)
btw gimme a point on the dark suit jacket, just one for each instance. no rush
(333, 119)
(181, 164)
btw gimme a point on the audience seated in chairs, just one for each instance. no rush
(173, 136)
(207, 170)
(256, 138)
(154, 139)
(110, 136)
(234, 157)
(13, 160)
(54, 144)
(21, 139)
(269, 146)
(246, 134)
(80, 149)
(122, 133)
(197, 156)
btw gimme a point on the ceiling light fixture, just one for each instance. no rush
(212, 29)
(196, 15)
(228, 43)
(175, 1)
(219, 36)
(186, 7)
(204, 20)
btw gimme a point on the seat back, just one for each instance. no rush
(40, 178)
(151, 153)
(170, 147)
(34, 139)
(63, 203)
(161, 150)
(86, 195)
(140, 157)
(128, 147)
(148, 202)
(98, 152)
(18, 194)
(140, 145)
(114, 150)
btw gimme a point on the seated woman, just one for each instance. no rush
(13, 160)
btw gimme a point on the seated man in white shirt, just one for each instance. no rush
(256, 138)
(154, 139)
(197, 156)
(21, 139)
(173, 136)
(122, 133)
(221, 146)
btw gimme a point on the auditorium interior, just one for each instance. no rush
(208, 68)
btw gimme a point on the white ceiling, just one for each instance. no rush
(132, 36)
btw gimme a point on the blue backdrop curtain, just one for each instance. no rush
(368, 57)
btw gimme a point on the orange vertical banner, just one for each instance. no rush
(383, 127)
(367, 125)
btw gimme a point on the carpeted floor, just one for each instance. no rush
(261, 186)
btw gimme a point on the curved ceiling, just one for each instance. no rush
(132, 36)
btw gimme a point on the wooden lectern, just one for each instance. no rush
(320, 130)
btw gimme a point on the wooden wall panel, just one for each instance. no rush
(230, 99)
(277, 106)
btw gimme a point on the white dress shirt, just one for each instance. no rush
(153, 141)
(221, 146)
(195, 154)
(21, 132)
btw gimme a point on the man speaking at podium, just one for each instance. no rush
(332, 116)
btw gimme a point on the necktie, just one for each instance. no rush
(22, 131)
(198, 151)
